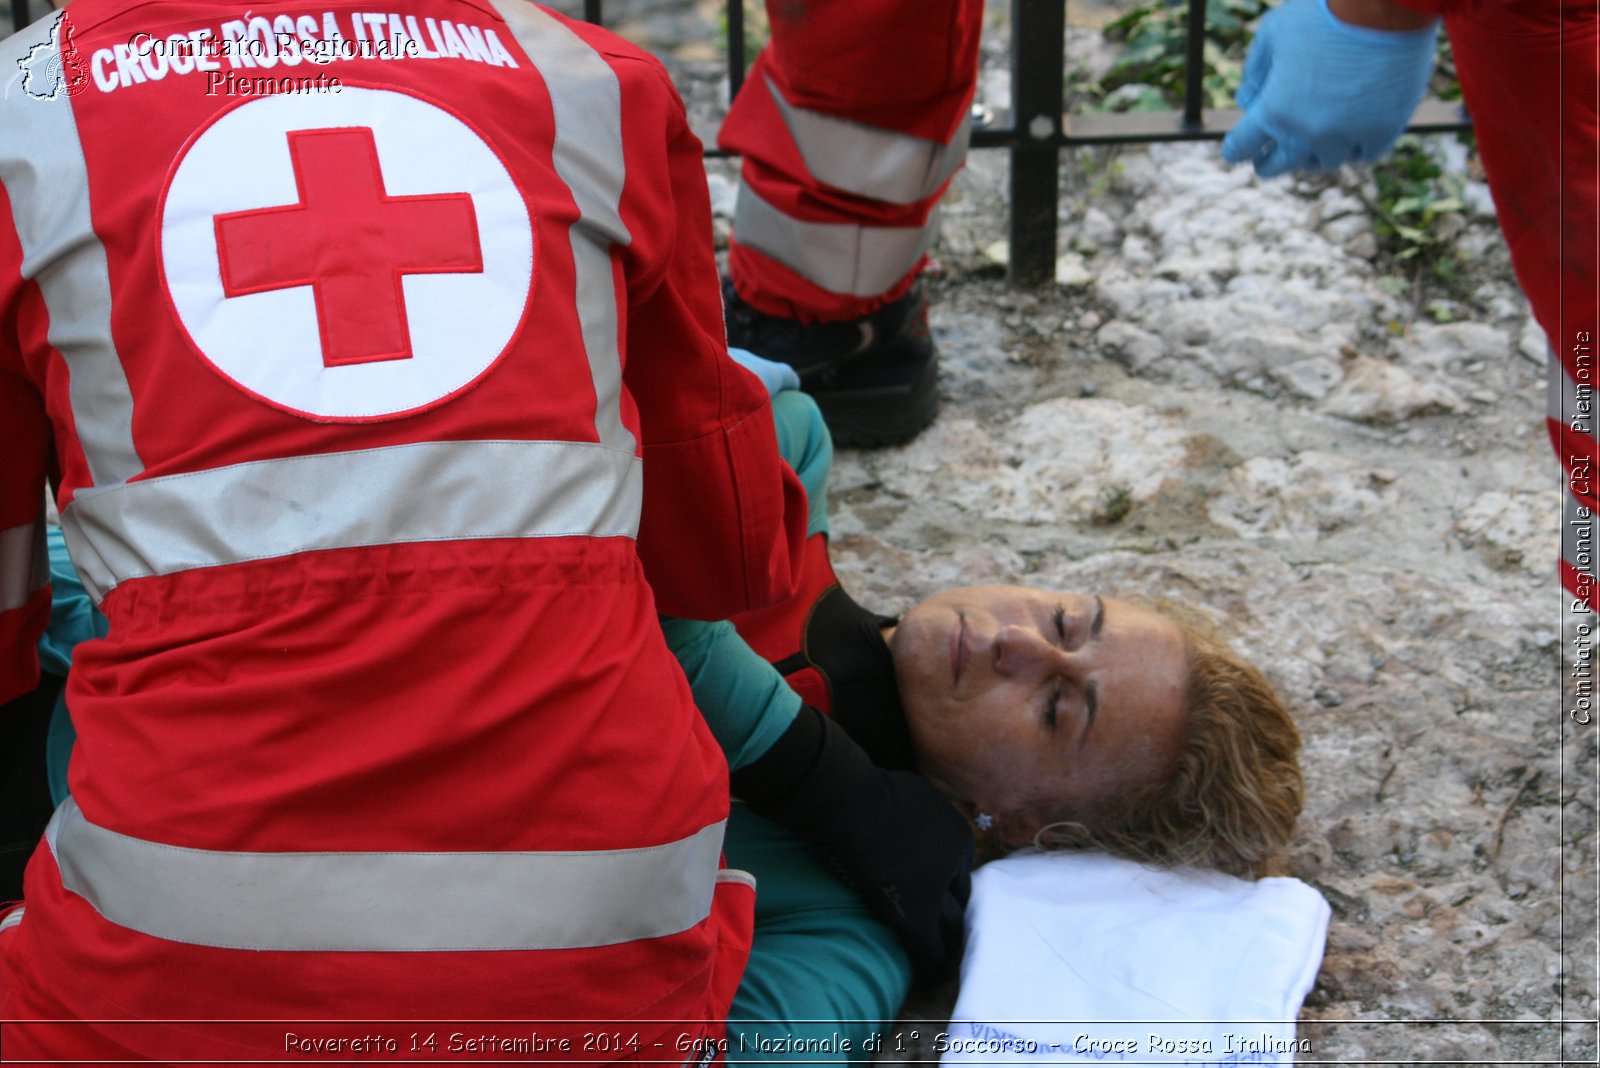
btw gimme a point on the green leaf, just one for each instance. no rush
(1150, 99)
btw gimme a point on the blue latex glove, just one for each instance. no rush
(777, 377)
(1318, 92)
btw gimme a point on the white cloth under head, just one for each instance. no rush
(1081, 958)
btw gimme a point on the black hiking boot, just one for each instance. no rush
(875, 378)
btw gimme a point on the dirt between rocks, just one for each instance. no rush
(1222, 401)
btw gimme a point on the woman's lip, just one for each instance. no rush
(960, 648)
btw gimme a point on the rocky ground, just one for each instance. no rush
(1232, 398)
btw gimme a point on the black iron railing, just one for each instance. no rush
(1037, 129)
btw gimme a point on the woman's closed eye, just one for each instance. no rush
(1052, 704)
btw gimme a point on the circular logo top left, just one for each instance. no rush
(351, 256)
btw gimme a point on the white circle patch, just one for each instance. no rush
(348, 256)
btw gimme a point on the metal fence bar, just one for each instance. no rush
(736, 61)
(1038, 77)
(1145, 127)
(1194, 65)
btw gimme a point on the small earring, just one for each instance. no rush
(984, 821)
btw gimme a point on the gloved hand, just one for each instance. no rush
(889, 835)
(1318, 92)
(777, 377)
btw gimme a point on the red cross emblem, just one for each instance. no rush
(351, 242)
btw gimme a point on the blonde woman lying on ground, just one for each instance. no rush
(868, 749)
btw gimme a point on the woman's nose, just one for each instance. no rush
(1019, 650)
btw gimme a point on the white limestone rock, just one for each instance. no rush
(1374, 391)
(1302, 498)
(1514, 530)
(1054, 463)
(1136, 348)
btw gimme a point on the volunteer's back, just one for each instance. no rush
(317, 317)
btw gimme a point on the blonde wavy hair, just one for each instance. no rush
(1232, 799)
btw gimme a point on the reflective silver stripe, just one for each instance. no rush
(271, 508)
(869, 161)
(863, 261)
(735, 875)
(1563, 395)
(43, 170)
(12, 919)
(387, 902)
(24, 563)
(587, 152)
